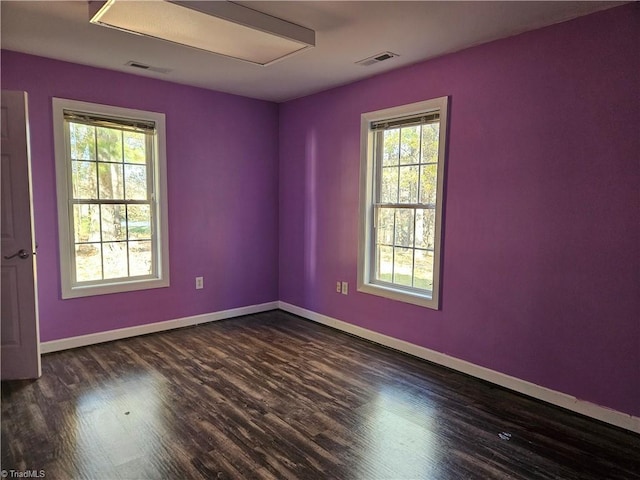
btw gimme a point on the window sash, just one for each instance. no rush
(121, 125)
(378, 128)
(394, 244)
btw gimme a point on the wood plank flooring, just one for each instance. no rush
(272, 396)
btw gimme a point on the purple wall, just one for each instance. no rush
(222, 153)
(542, 234)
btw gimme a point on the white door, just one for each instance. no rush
(20, 345)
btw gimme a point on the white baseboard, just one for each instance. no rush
(604, 414)
(108, 336)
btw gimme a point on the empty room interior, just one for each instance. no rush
(320, 240)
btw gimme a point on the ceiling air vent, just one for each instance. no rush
(142, 66)
(377, 58)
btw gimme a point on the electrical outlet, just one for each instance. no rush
(338, 287)
(199, 283)
(345, 288)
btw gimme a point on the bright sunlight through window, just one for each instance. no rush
(110, 169)
(402, 183)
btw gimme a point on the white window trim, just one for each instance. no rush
(365, 243)
(63, 179)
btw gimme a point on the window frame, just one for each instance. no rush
(368, 181)
(64, 186)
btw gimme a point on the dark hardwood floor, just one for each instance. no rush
(277, 397)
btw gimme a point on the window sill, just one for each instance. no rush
(400, 295)
(120, 287)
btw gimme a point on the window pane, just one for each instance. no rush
(88, 262)
(428, 184)
(115, 259)
(139, 221)
(423, 270)
(384, 263)
(391, 147)
(385, 225)
(410, 145)
(404, 227)
(86, 223)
(110, 178)
(425, 228)
(140, 255)
(83, 141)
(134, 147)
(389, 185)
(430, 139)
(83, 177)
(408, 185)
(113, 223)
(403, 266)
(136, 182)
(109, 144)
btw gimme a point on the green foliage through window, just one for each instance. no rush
(112, 208)
(406, 194)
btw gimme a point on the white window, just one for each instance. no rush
(401, 189)
(112, 209)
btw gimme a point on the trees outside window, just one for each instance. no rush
(401, 201)
(111, 189)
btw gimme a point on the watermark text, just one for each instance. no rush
(23, 474)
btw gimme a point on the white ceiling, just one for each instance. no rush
(345, 33)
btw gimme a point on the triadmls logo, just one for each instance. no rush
(23, 474)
